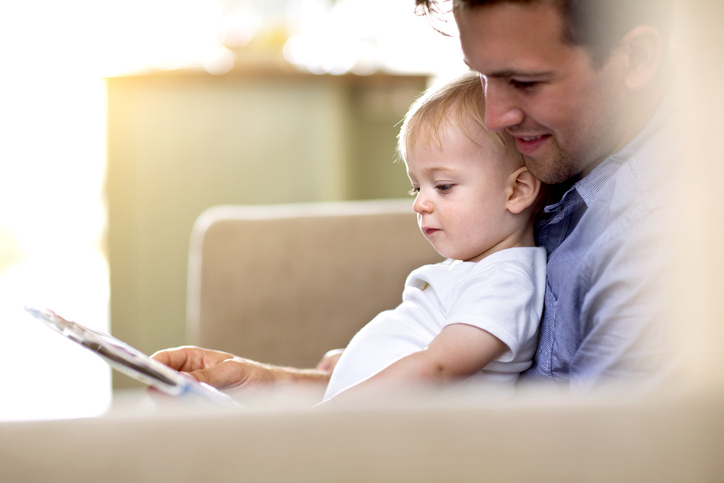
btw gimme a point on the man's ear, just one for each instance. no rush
(644, 47)
(522, 191)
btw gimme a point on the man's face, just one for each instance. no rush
(564, 114)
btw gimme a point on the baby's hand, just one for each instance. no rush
(329, 361)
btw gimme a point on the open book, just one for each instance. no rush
(130, 361)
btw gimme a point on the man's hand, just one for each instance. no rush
(219, 369)
(223, 370)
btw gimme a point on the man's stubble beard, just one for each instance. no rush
(556, 170)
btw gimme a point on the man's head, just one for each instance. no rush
(597, 25)
(474, 195)
(569, 80)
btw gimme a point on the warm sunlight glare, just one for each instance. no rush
(53, 147)
(52, 168)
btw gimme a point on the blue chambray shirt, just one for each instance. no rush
(603, 300)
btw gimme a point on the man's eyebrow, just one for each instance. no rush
(515, 73)
(507, 73)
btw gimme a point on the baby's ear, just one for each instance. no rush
(522, 191)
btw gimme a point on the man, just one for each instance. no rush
(582, 86)
(586, 104)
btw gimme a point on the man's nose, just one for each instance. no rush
(501, 110)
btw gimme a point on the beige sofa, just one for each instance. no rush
(249, 296)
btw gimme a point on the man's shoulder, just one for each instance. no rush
(653, 160)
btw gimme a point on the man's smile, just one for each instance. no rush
(529, 144)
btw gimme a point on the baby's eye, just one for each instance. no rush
(443, 187)
(414, 191)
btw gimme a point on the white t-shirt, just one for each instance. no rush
(501, 294)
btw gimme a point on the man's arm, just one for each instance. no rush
(223, 370)
(458, 351)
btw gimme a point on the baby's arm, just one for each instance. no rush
(458, 351)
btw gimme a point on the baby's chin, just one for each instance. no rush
(444, 248)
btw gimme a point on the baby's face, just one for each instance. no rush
(461, 193)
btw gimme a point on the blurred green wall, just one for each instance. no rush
(180, 142)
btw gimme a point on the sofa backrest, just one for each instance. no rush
(285, 283)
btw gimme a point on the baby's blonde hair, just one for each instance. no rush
(459, 101)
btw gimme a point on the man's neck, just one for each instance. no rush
(641, 107)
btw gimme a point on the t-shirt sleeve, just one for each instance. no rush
(507, 301)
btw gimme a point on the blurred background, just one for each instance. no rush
(123, 120)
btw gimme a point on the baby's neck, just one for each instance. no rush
(522, 238)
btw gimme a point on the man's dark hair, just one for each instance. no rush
(597, 25)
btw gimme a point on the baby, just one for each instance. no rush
(474, 316)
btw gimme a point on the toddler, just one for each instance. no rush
(474, 316)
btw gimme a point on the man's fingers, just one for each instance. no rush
(228, 373)
(190, 359)
(174, 358)
(215, 368)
